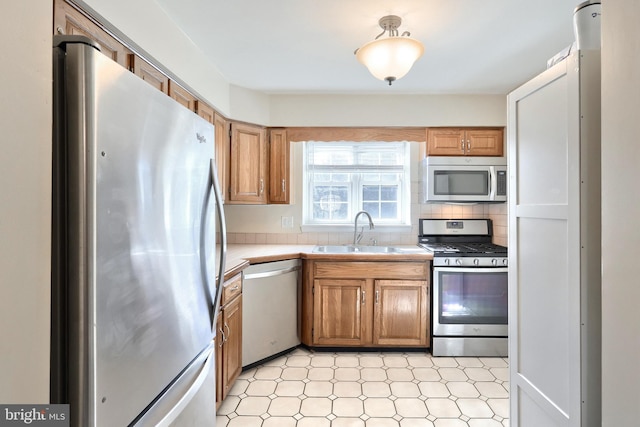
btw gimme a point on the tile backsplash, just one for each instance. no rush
(497, 212)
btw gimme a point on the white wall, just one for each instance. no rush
(360, 110)
(620, 213)
(149, 26)
(388, 110)
(25, 199)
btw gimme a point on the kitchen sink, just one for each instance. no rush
(346, 249)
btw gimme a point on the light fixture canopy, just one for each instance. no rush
(392, 57)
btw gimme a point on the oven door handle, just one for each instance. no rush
(471, 269)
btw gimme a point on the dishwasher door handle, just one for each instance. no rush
(270, 273)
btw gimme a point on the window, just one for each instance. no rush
(343, 178)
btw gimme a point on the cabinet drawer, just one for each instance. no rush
(232, 288)
(372, 270)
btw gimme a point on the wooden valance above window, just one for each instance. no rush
(356, 134)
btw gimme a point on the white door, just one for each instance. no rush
(553, 305)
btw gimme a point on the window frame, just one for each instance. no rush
(355, 186)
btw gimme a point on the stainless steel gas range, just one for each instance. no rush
(469, 287)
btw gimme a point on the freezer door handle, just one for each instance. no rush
(161, 416)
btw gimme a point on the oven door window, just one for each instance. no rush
(473, 298)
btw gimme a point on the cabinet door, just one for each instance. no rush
(182, 95)
(248, 165)
(148, 73)
(232, 364)
(445, 142)
(485, 142)
(279, 186)
(205, 111)
(222, 153)
(219, 342)
(68, 20)
(400, 313)
(341, 312)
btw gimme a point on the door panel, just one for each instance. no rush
(146, 184)
(554, 294)
(400, 312)
(339, 312)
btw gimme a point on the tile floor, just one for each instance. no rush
(370, 389)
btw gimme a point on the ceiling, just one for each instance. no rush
(307, 46)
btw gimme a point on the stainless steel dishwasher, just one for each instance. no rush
(269, 309)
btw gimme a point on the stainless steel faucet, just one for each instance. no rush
(356, 236)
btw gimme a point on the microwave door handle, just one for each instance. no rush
(492, 182)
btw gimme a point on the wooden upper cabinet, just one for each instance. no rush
(223, 148)
(279, 176)
(148, 73)
(485, 142)
(205, 111)
(465, 142)
(182, 95)
(70, 21)
(248, 165)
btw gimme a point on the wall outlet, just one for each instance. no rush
(286, 222)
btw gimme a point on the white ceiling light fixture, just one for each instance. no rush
(392, 57)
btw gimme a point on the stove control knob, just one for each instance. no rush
(459, 261)
(494, 262)
(504, 261)
(476, 261)
(446, 261)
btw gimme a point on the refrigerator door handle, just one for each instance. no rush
(175, 411)
(212, 184)
(223, 241)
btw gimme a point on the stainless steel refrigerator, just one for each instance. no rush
(136, 208)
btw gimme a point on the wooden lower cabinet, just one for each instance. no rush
(400, 312)
(388, 306)
(229, 338)
(340, 313)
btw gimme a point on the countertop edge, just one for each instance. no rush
(239, 256)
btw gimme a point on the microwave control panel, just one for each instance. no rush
(502, 183)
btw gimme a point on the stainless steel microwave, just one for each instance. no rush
(464, 179)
